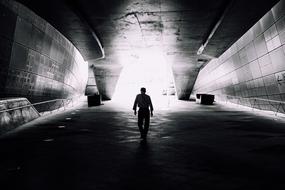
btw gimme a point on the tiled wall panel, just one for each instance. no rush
(8, 22)
(254, 66)
(37, 62)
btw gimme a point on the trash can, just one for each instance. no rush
(206, 99)
(93, 95)
(94, 100)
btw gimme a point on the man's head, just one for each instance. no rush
(143, 90)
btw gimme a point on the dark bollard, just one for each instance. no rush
(94, 100)
(93, 96)
(206, 99)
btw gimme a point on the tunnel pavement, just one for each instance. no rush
(189, 146)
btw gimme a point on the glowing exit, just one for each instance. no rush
(146, 68)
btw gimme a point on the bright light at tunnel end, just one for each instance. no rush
(145, 68)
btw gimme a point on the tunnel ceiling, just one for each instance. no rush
(178, 27)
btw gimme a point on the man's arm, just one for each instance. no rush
(135, 105)
(151, 107)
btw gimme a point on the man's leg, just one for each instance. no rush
(146, 122)
(140, 122)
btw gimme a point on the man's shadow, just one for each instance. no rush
(143, 146)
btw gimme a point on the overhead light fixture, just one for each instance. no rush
(201, 49)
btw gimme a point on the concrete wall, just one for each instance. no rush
(36, 61)
(106, 79)
(254, 66)
(184, 77)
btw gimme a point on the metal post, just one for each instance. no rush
(239, 101)
(63, 104)
(277, 109)
(253, 104)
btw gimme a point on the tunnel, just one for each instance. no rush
(142, 94)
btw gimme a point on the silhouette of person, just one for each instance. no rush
(143, 101)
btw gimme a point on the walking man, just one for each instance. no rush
(143, 101)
